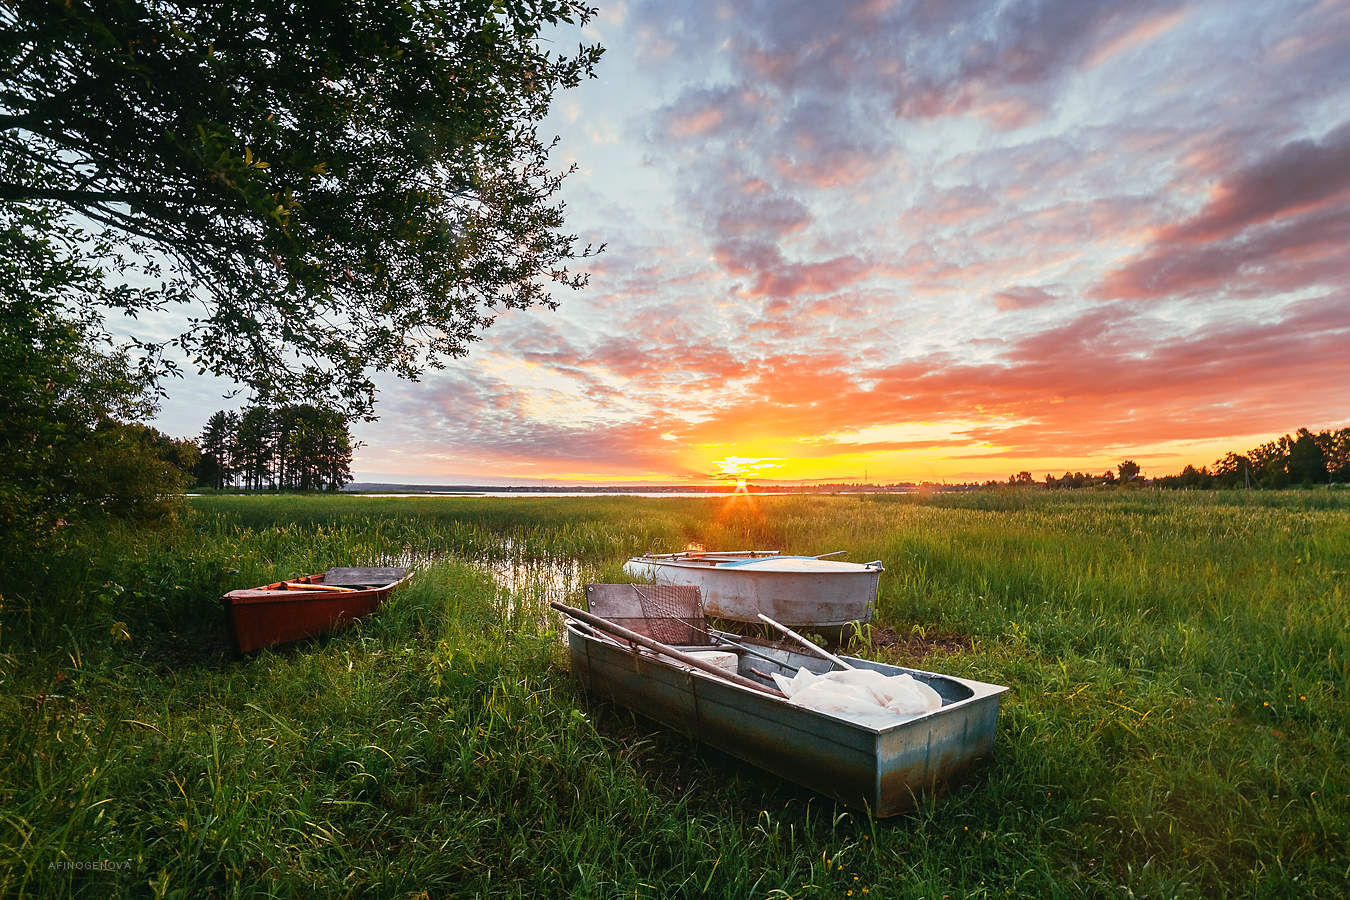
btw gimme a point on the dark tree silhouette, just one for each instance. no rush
(217, 466)
(1306, 462)
(295, 447)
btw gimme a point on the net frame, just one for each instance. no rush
(673, 614)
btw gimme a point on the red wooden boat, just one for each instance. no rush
(305, 607)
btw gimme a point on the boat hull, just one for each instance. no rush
(882, 770)
(796, 599)
(273, 614)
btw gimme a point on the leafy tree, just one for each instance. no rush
(63, 386)
(1306, 463)
(1191, 477)
(1335, 446)
(1232, 470)
(1275, 472)
(1270, 462)
(338, 188)
(254, 445)
(72, 459)
(1129, 470)
(298, 446)
(314, 450)
(137, 471)
(1023, 477)
(217, 466)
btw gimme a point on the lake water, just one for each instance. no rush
(653, 494)
(544, 494)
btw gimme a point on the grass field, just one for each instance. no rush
(1177, 724)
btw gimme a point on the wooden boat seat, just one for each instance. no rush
(363, 577)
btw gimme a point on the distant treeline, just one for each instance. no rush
(1303, 457)
(298, 447)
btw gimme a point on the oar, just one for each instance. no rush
(819, 651)
(824, 555)
(664, 649)
(306, 586)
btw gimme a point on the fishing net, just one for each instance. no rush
(673, 613)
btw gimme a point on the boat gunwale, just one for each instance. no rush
(274, 593)
(979, 690)
(716, 565)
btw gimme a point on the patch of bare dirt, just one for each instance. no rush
(197, 648)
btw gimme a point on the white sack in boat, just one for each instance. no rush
(826, 695)
(790, 686)
(863, 692)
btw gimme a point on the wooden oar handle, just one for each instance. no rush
(305, 586)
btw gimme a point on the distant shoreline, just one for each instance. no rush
(365, 487)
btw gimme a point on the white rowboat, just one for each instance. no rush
(800, 591)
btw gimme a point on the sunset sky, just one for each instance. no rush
(918, 241)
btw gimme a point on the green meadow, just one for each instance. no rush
(1176, 724)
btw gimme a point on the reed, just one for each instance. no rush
(1176, 725)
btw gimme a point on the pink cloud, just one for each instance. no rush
(696, 122)
(791, 279)
(1144, 32)
(1301, 253)
(1021, 297)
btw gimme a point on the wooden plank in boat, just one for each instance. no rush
(621, 604)
(362, 577)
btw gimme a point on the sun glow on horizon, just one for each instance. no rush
(737, 468)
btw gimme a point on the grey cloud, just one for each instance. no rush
(1300, 174)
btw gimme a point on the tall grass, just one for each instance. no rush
(1176, 725)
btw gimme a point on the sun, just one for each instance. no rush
(739, 469)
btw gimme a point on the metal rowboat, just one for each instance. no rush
(881, 768)
(801, 591)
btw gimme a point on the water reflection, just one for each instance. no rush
(523, 585)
